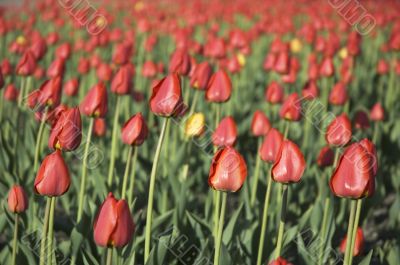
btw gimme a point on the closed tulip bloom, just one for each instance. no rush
(6, 67)
(95, 102)
(99, 127)
(274, 93)
(38, 48)
(63, 51)
(269, 61)
(383, 67)
(271, 145)
(71, 87)
(260, 124)
(310, 90)
(361, 120)
(282, 63)
(104, 72)
(327, 68)
(280, 261)
(11, 93)
(228, 170)
(215, 48)
(122, 53)
(26, 65)
(338, 132)
(66, 134)
(53, 177)
(358, 245)
(180, 62)
(50, 93)
(122, 81)
(226, 133)
(377, 112)
(201, 76)
(135, 130)
(56, 68)
(219, 87)
(289, 165)
(354, 176)
(113, 226)
(83, 66)
(313, 71)
(17, 200)
(166, 99)
(149, 69)
(325, 157)
(291, 108)
(338, 95)
(195, 125)
(370, 147)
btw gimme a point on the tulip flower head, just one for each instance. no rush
(180, 62)
(95, 102)
(201, 76)
(135, 131)
(260, 124)
(377, 113)
(271, 145)
(274, 93)
(291, 108)
(122, 81)
(99, 127)
(226, 133)
(195, 125)
(325, 157)
(361, 120)
(359, 243)
(27, 64)
(219, 87)
(280, 261)
(338, 132)
(289, 165)
(17, 200)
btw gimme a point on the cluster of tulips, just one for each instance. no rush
(282, 130)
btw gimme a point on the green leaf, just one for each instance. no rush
(367, 259)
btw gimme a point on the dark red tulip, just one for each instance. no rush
(180, 62)
(260, 124)
(327, 68)
(66, 134)
(50, 93)
(271, 145)
(354, 176)
(166, 99)
(226, 133)
(325, 157)
(219, 87)
(113, 226)
(17, 200)
(53, 177)
(280, 261)
(358, 245)
(310, 90)
(135, 130)
(99, 127)
(274, 93)
(201, 76)
(377, 112)
(123, 80)
(11, 93)
(291, 108)
(370, 147)
(26, 65)
(289, 165)
(1, 79)
(122, 53)
(228, 170)
(71, 87)
(95, 102)
(338, 95)
(56, 68)
(361, 120)
(338, 132)
(149, 69)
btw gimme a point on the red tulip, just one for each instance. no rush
(271, 145)
(201, 76)
(219, 87)
(180, 62)
(290, 163)
(260, 124)
(50, 93)
(122, 81)
(361, 120)
(228, 170)
(56, 68)
(99, 127)
(11, 93)
(377, 112)
(269, 61)
(149, 69)
(282, 63)
(237, 39)
(166, 99)
(6, 67)
(135, 130)
(354, 176)
(274, 93)
(382, 67)
(122, 53)
(338, 95)
(370, 147)
(95, 102)
(27, 64)
(280, 261)
(226, 133)
(215, 48)
(38, 48)
(63, 51)
(325, 157)
(52, 178)
(17, 200)
(104, 72)
(358, 245)
(338, 132)
(83, 66)
(291, 108)
(71, 87)
(66, 134)
(310, 90)
(327, 68)
(113, 226)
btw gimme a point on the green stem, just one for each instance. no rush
(84, 171)
(256, 174)
(376, 132)
(286, 133)
(109, 256)
(279, 242)
(39, 139)
(151, 191)
(125, 181)
(264, 219)
(1, 104)
(350, 232)
(113, 143)
(133, 174)
(194, 102)
(51, 232)
(21, 92)
(217, 114)
(355, 227)
(15, 240)
(44, 233)
(323, 230)
(217, 206)
(220, 230)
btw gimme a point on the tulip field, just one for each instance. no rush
(204, 132)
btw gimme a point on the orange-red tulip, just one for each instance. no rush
(280, 261)
(56, 68)
(99, 127)
(71, 87)
(11, 93)
(327, 68)
(310, 90)
(17, 200)
(290, 163)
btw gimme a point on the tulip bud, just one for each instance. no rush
(195, 125)
(63, 51)
(377, 112)
(180, 62)
(291, 108)
(6, 67)
(38, 48)
(228, 170)
(361, 120)
(327, 68)
(325, 157)
(282, 63)
(53, 177)
(99, 127)
(95, 102)
(269, 61)
(219, 87)
(122, 81)
(56, 68)
(274, 93)
(66, 134)
(104, 72)
(382, 67)
(149, 69)
(226, 133)
(71, 87)
(310, 90)
(201, 76)
(289, 165)
(166, 99)
(50, 93)
(271, 145)
(27, 64)
(11, 93)
(83, 66)
(17, 200)
(122, 53)
(338, 132)
(338, 95)
(280, 261)
(358, 245)
(260, 124)
(113, 225)
(135, 130)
